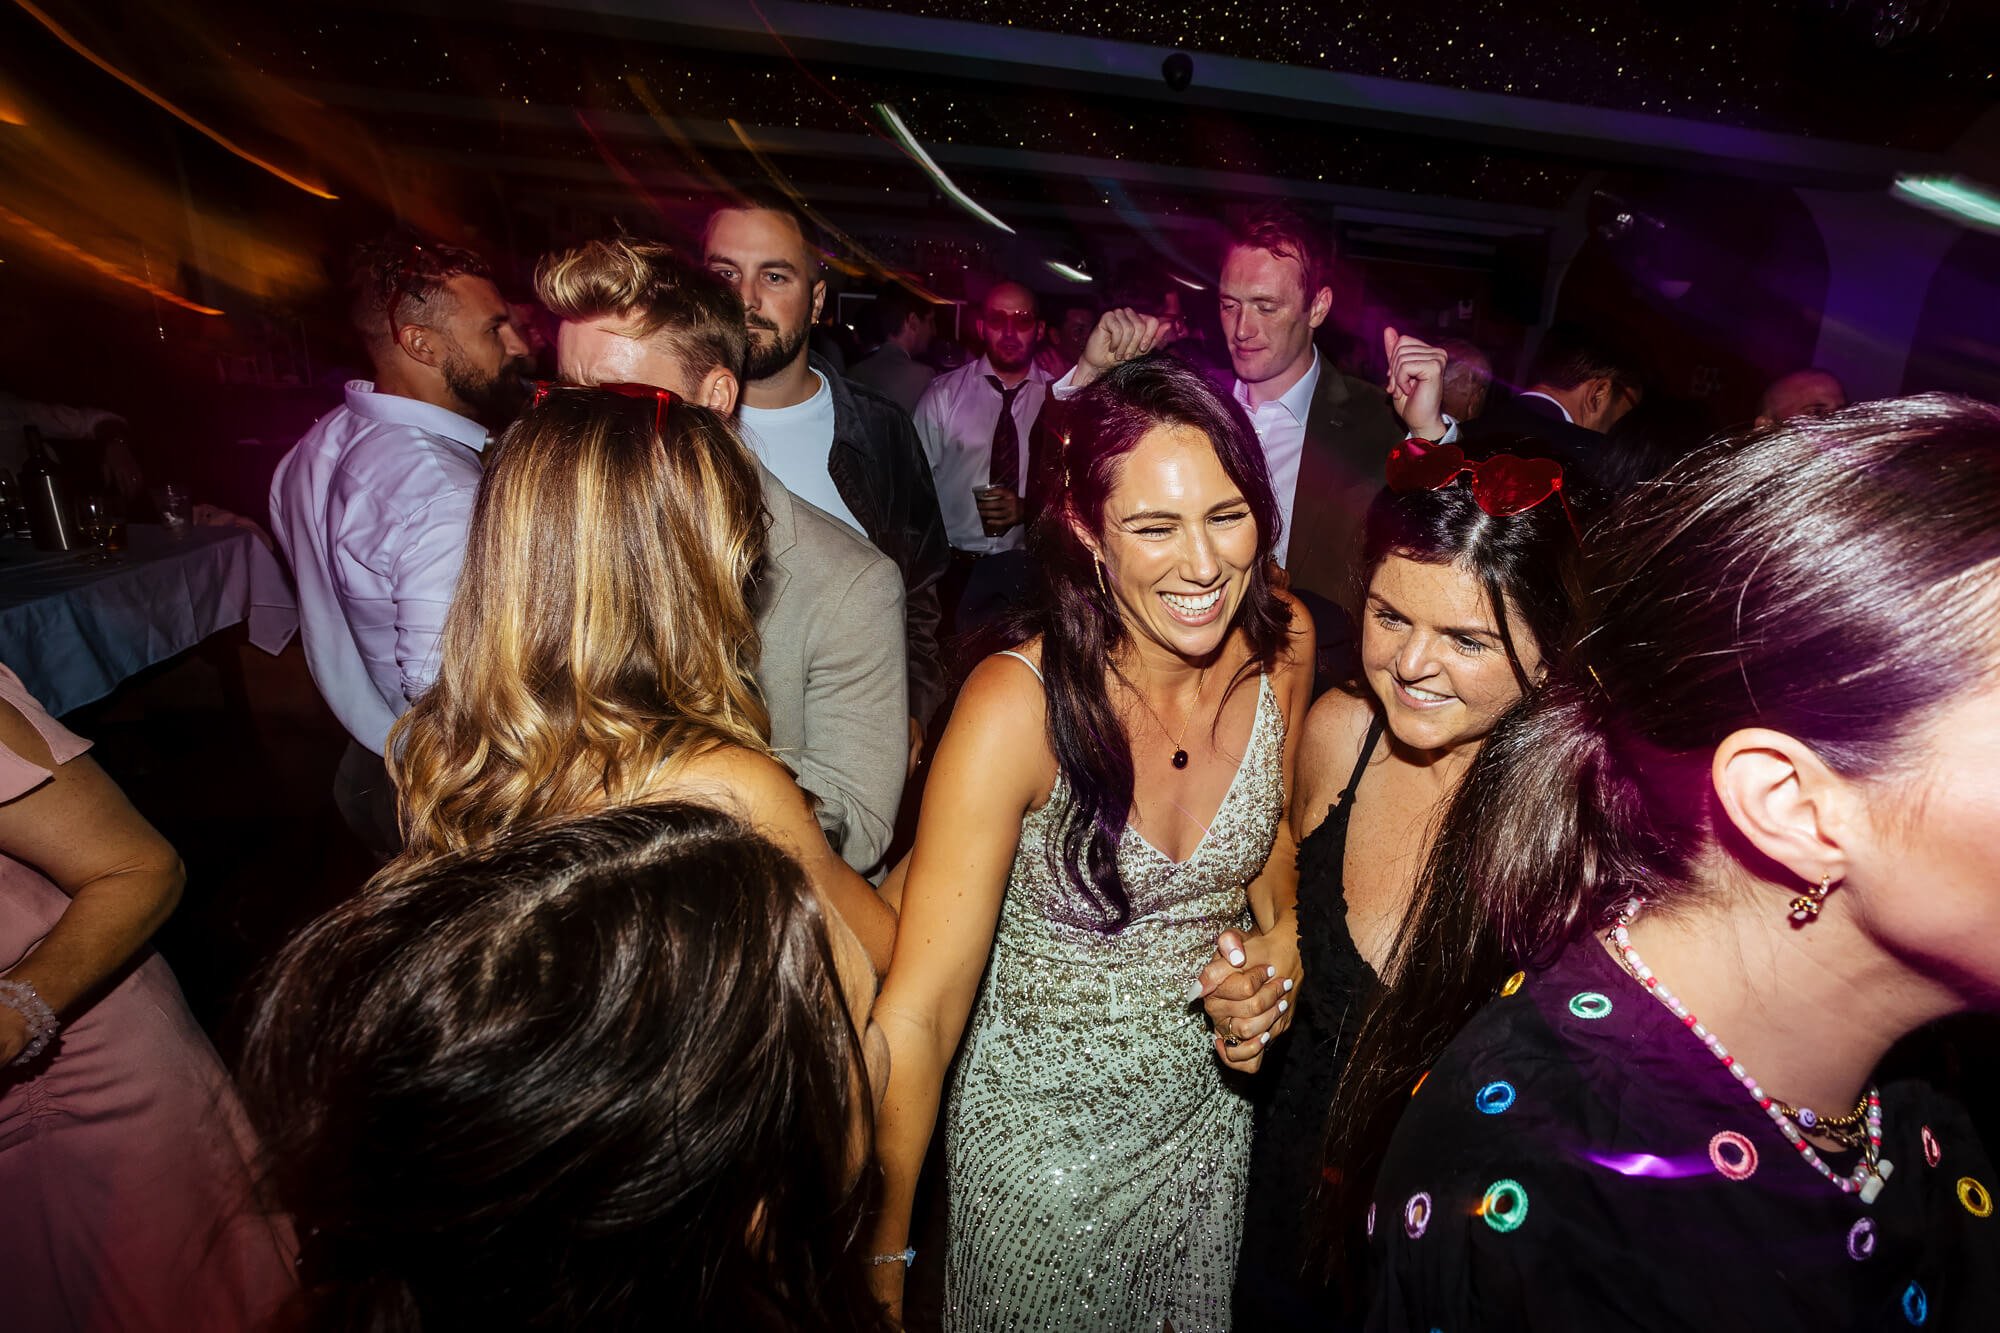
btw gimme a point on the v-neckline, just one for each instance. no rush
(1249, 744)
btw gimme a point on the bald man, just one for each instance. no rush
(974, 423)
(1803, 393)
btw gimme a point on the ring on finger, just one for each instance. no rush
(1229, 1037)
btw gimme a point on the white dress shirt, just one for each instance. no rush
(1281, 428)
(955, 420)
(372, 507)
(794, 442)
(1535, 393)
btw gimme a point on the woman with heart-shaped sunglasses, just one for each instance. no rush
(1464, 600)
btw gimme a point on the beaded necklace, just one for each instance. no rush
(1869, 1175)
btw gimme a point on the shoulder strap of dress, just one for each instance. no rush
(1375, 726)
(1009, 652)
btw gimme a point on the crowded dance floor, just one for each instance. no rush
(988, 665)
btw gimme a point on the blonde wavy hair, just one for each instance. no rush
(602, 634)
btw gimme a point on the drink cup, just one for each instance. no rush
(980, 495)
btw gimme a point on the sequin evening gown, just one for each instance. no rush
(1096, 1149)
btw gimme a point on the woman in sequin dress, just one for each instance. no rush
(1109, 798)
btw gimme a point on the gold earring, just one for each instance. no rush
(1805, 907)
(1099, 563)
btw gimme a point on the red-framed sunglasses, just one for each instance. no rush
(1503, 485)
(662, 398)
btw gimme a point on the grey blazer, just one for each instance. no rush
(830, 612)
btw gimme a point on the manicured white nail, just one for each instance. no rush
(1270, 972)
(1284, 1005)
(1288, 983)
(1263, 1039)
(1236, 958)
(1194, 989)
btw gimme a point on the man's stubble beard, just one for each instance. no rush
(768, 358)
(495, 401)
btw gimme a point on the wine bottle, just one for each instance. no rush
(51, 515)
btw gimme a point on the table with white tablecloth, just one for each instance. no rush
(73, 629)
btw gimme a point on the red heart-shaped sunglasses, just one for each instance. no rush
(1503, 485)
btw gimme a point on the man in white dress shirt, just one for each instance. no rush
(975, 424)
(373, 504)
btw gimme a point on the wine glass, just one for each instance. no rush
(94, 520)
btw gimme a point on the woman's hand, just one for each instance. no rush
(1249, 990)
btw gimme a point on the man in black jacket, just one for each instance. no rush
(1580, 384)
(835, 444)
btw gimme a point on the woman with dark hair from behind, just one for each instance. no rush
(593, 1075)
(1464, 603)
(1735, 847)
(1107, 799)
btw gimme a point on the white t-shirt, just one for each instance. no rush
(794, 442)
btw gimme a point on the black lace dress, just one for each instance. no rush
(1297, 1084)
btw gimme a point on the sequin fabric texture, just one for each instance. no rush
(1096, 1149)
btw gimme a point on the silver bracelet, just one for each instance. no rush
(903, 1257)
(43, 1024)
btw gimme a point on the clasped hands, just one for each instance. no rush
(1249, 990)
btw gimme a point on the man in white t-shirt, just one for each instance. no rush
(842, 447)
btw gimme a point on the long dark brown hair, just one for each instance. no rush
(593, 1075)
(1815, 578)
(1079, 623)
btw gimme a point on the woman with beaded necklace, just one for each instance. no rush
(1689, 894)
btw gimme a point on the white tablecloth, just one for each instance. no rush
(72, 631)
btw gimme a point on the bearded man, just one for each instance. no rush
(373, 504)
(835, 444)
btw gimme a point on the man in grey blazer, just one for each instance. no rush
(829, 605)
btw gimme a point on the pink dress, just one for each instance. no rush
(125, 1158)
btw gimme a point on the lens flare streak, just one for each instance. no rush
(103, 266)
(64, 36)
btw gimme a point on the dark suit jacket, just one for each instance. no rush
(1534, 427)
(1350, 429)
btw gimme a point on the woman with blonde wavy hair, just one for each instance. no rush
(601, 646)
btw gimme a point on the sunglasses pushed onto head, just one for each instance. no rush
(661, 398)
(1502, 486)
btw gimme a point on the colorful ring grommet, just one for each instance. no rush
(1734, 1156)
(1513, 983)
(1371, 1220)
(1861, 1239)
(1974, 1196)
(1589, 1004)
(1505, 1206)
(1417, 1215)
(1495, 1097)
(1916, 1305)
(1931, 1150)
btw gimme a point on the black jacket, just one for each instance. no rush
(1537, 427)
(1350, 429)
(878, 466)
